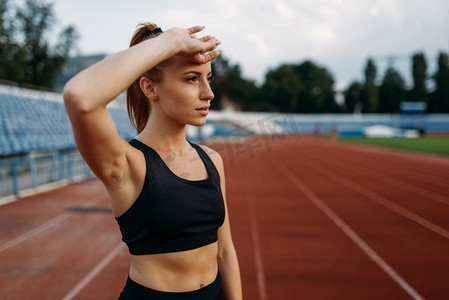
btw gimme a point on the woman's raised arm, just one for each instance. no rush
(87, 94)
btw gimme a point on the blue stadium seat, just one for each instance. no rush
(28, 124)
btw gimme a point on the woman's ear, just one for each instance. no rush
(148, 88)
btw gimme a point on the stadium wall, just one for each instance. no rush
(34, 126)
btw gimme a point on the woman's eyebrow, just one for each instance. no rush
(196, 73)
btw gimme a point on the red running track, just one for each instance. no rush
(310, 219)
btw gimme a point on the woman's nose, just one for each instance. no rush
(206, 92)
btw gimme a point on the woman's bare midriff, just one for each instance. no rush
(177, 271)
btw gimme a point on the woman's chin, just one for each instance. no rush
(198, 123)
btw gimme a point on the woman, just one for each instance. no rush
(166, 193)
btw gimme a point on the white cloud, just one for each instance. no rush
(261, 34)
(283, 10)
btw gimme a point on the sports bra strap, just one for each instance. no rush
(210, 166)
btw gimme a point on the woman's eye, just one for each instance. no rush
(210, 78)
(193, 78)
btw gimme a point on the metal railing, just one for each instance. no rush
(18, 174)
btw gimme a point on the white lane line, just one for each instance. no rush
(45, 226)
(350, 233)
(29, 234)
(430, 179)
(394, 154)
(94, 272)
(396, 183)
(257, 254)
(381, 200)
(401, 170)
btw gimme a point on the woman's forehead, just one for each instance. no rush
(182, 64)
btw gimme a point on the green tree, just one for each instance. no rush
(392, 91)
(282, 88)
(11, 54)
(220, 69)
(354, 96)
(302, 88)
(42, 60)
(230, 87)
(26, 55)
(419, 71)
(371, 101)
(245, 93)
(318, 93)
(440, 97)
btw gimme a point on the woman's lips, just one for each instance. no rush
(203, 110)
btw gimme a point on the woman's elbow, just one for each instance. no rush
(227, 252)
(73, 99)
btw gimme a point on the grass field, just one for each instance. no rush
(431, 144)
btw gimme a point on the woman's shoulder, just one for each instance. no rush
(214, 156)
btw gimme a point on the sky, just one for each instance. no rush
(260, 35)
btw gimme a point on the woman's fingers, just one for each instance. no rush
(212, 55)
(201, 50)
(209, 43)
(195, 29)
(209, 39)
(204, 45)
(206, 57)
(206, 38)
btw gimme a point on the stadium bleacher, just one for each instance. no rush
(353, 125)
(39, 123)
(37, 146)
(36, 141)
(32, 122)
(28, 124)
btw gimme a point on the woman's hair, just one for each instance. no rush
(136, 101)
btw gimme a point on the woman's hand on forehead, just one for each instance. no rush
(200, 50)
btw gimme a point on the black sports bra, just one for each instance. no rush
(171, 213)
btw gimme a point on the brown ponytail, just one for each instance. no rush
(137, 103)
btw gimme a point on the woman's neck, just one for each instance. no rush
(164, 135)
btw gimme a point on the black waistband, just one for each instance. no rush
(136, 291)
